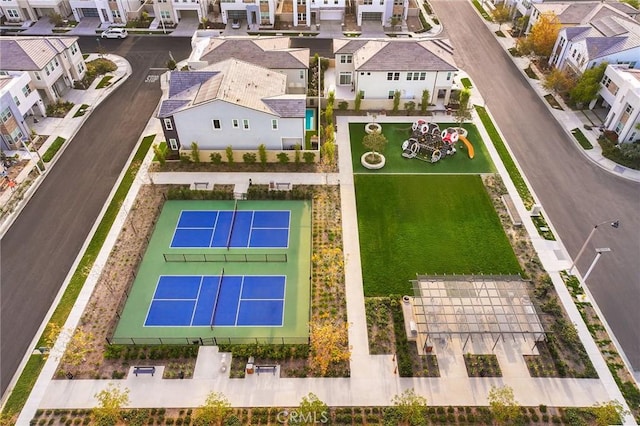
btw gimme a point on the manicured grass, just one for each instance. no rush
(162, 147)
(581, 138)
(553, 102)
(24, 385)
(106, 81)
(483, 12)
(530, 73)
(396, 133)
(466, 83)
(500, 34)
(508, 162)
(412, 224)
(29, 376)
(53, 149)
(81, 111)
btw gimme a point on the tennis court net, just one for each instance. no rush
(225, 257)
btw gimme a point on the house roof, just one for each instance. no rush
(235, 82)
(400, 55)
(343, 46)
(31, 53)
(578, 12)
(268, 52)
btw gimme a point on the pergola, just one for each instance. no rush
(474, 305)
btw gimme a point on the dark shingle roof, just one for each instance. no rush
(408, 56)
(249, 51)
(182, 80)
(31, 53)
(169, 105)
(287, 108)
(351, 46)
(573, 32)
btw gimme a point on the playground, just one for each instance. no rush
(428, 225)
(222, 271)
(397, 134)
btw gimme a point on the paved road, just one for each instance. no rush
(40, 247)
(575, 193)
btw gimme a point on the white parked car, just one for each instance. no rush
(235, 24)
(115, 33)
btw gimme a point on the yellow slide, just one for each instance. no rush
(468, 144)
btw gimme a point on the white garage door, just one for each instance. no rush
(331, 15)
(372, 16)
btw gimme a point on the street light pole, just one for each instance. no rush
(599, 252)
(614, 224)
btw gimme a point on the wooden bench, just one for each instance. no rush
(271, 368)
(144, 370)
(279, 186)
(199, 186)
(511, 210)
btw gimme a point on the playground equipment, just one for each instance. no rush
(429, 143)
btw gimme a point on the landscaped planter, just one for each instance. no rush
(372, 128)
(372, 166)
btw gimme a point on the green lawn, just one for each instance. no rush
(397, 133)
(427, 225)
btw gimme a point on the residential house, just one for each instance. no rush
(269, 52)
(578, 13)
(311, 12)
(382, 11)
(377, 69)
(231, 103)
(108, 11)
(260, 13)
(18, 100)
(53, 63)
(32, 10)
(620, 93)
(612, 39)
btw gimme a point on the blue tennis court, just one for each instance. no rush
(232, 229)
(227, 300)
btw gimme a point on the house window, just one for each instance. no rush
(216, 124)
(37, 74)
(17, 135)
(235, 123)
(628, 109)
(12, 14)
(301, 74)
(423, 75)
(346, 59)
(274, 124)
(573, 55)
(398, 2)
(345, 78)
(74, 48)
(245, 124)
(26, 90)
(80, 67)
(55, 60)
(16, 100)
(391, 93)
(173, 144)
(368, 2)
(302, 16)
(168, 125)
(448, 76)
(165, 14)
(5, 115)
(409, 75)
(302, 2)
(115, 13)
(413, 75)
(393, 76)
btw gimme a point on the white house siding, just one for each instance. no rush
(384, 7)
(21, 79)
(376, 85)
(296, 80)
(101, 6)
(622, 93)
(195, 125)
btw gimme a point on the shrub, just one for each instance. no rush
(343, 105)
(215, 157)
(309, 157)
(262, 155)
(296, 156)
(195, 152)
(59, 109)
(249, 157)
(229, 153)
(283, 158)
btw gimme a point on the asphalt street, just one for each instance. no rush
(575, 193)
(40, 247)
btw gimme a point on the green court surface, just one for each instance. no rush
(396, 133)
(427, 224)
(246, 261)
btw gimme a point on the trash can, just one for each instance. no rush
(249, 368)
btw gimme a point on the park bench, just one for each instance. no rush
(271, 368)
(279, 186)
(511, 210)
(144, 370)
(199, 186)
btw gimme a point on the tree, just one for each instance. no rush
(78, 343)
(56, 19)
(412, 408)
(394, 21)
(328, 152)
(559, 81)
(171, 64)
(542, 37)
(610, 413)
(161, 155)
(312, 411)
(410, 107)
(214, 411)
(504, 407)
(328, 114)
(588, 85)
(262, 154)
(358, 100)
(331, 98)
(375, 142)
(396, 100)
(501, 14)
(229, 153)
(425, 101)
(329, 344)
(195, 152)
(110, 402)
(464, 109)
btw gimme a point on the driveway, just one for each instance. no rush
(372, 29)
(42, 244)
(330, 29)
(41, 27)
(186, 27)
(576, 194)
(86, 27)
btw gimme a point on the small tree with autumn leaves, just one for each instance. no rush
(559, 81)
(503, 405)
(214, 411)
(78, 346)
(110, 403)
(329, 344)
(542, 37)
(411, 408)
(501, 14)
